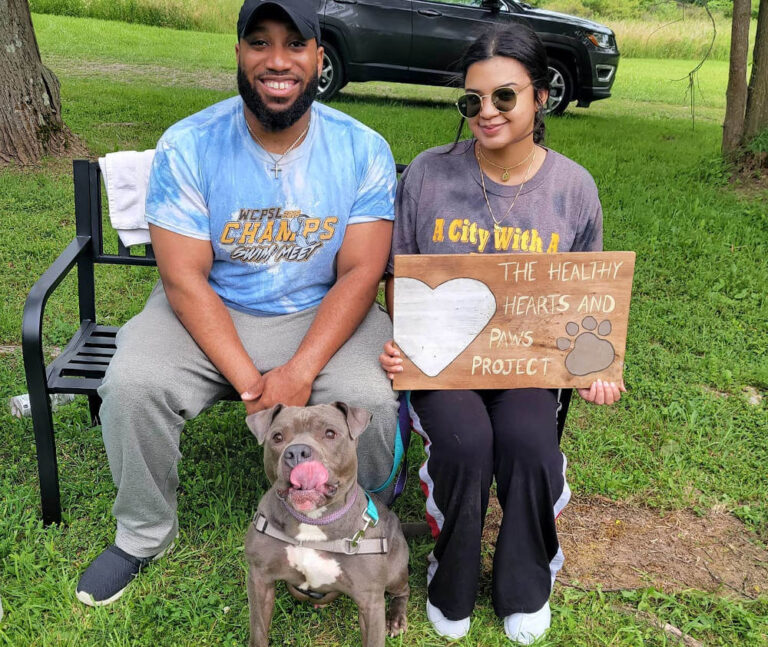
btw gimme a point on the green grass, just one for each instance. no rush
(107, 42)
(685, 435)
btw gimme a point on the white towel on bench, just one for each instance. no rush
(126, 176)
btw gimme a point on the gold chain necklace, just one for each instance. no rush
(520, 188)
(506, 169)
(276, 160)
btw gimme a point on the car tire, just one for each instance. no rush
(332, 77)
(560, 87)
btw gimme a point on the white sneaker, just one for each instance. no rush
(453, 629)
(527, 628)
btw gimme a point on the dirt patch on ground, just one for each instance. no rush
(750, 178)
(620, 546)
(224, 81)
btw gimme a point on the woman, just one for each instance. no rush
(509, 194)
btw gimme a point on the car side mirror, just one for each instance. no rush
(493, 5)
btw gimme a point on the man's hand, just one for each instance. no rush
(252, 394)
(285, 384)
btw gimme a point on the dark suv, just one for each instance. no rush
(421, 41)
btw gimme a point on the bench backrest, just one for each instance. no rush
(89, 219)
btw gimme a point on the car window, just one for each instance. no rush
(468, 3)
(471, 3)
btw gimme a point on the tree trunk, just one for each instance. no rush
(30, 106)
(736, 94)
(756, 119)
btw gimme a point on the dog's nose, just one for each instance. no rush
(296, 454)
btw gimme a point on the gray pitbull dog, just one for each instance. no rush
(316, 528)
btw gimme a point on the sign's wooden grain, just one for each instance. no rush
(498, 321)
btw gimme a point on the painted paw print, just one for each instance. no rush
(590, 354)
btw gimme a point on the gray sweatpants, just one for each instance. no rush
(159, 378)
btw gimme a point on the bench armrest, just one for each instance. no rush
(34, 307)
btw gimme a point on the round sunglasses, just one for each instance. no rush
(503, 99)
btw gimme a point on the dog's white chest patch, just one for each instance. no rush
(308, 532)
(318, 570)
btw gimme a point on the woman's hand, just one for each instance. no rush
(603, 392)
(390, 360)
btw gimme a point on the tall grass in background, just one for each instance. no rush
(654, 31)
(662, 30)
(197, 15)
(687, 38)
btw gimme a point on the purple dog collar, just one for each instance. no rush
(323, 521)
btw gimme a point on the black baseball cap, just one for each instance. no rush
(303, 13)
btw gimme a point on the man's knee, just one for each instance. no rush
(375, 461)
(374, 395)
(134, 379)
(376, 446)
(383, 405)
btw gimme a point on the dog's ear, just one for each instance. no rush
(357, 418)
(260, 422)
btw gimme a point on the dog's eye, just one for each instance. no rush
(330, 434)
(277, 438)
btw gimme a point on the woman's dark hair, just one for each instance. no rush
(518, 41)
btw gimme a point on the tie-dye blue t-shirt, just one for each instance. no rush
(274, 240)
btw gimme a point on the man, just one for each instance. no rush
(271, 221)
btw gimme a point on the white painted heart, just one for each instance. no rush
(433, 327)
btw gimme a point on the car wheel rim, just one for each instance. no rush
(326, 76)
(556, 89)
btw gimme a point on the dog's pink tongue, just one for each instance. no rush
(309, 475)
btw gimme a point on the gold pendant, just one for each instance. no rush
(505, 176)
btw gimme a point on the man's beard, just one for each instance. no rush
(276, 120)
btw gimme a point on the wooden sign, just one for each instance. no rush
(500, 321)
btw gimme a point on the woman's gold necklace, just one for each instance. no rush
(520, 188)
(506, 169)
(276, 160)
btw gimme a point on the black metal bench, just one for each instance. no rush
(81, 366)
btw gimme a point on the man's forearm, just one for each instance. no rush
(208, 321)
(338, 316)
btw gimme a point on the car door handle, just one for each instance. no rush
(431, 13)
(346, 1)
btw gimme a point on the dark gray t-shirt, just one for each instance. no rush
(440, 208)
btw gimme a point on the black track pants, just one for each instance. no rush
(472, 438)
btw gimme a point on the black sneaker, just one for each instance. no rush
(105, 580)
